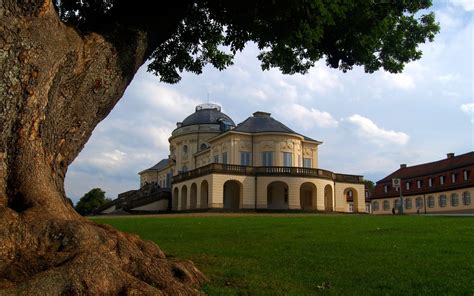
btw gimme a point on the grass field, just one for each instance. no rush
(311, 254)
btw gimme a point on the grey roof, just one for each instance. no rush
(159, 166)
(262, 122)
(207, 116)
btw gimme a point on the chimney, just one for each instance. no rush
(261, 114)
(450, 155)
(403, 166)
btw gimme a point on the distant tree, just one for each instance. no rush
(91, 201)
(369, 185)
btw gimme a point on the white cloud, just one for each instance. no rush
(402, 80)
(448, 77)
(306, 118)
(319, 79)
(469, 110)
(467, 5)
(106, 160)
(448, 19)
(171, 104)
(368, 130)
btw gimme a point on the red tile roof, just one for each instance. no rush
(424, 172)
(431, 168)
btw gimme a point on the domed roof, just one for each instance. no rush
(262, 122)
(207, 114)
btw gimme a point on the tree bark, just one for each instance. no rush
(56, 85)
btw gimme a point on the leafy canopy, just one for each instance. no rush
(291, 34)
(91, 201)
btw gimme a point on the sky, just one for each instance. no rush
(369, 123)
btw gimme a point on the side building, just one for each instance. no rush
(444, 186)
(257, 164)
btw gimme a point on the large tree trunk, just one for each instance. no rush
(56, 85)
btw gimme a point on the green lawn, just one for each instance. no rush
(311, 254)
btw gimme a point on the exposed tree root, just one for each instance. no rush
(44, 256)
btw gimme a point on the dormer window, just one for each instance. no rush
(407, 185)
(453, 177)
(441, 180)
(430, 182)
(385, 188)
(418, 184)
(466, 175)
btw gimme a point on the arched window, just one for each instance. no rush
(203, 146)
(442, 200)
(454, 200)
(386, 205)
(431, 201)
(466, 198)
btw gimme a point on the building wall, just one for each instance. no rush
(436, 209)
(297, 187)
(148, 177)
(203, 158)
(183, 146)
(235, 143)
(177, 196)
(341, 204)
(108, 210)
(161, 205)
(247, 190)
(158, 177)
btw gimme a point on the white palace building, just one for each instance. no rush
(258, 164)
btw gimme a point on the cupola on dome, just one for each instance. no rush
(208, 114)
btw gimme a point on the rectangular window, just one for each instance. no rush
(396, 203)
(430, 182)
(431, 202)
(169, 176)
(453, 177)
(375, 206)
(245, 158)
(267, 158)
(442, 200)
(407, 185)
(418, 183)
(216, 158)
(307, 162)
(287, 159)
(465, 175)
(385, 188)
(441, 180)
(419, 203)
(224, 158)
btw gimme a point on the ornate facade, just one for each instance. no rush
(257, 164)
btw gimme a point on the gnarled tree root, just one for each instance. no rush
(40, 255)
